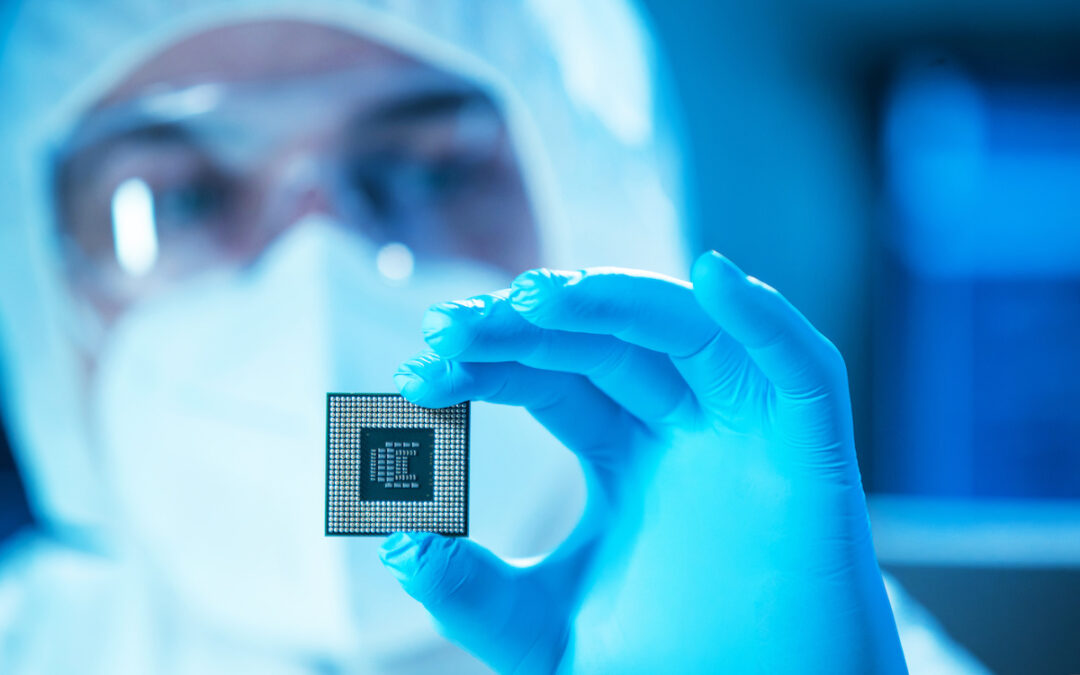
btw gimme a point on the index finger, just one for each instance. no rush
(645, 309)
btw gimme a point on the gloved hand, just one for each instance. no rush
(726, 528)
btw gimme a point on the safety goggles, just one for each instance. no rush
(154, 190)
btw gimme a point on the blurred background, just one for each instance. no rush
(908, 174)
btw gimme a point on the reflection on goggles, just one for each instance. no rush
(134, 230)
(424, 172)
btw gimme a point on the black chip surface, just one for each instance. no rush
(398, 464)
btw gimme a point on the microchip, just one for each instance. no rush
(393, 466)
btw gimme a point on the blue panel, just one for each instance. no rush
(978, 319)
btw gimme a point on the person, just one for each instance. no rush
(219, 211)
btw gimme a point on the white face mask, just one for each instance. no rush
(210, 405)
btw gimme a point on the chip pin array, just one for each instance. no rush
(360, 501)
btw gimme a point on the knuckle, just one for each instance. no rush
(615, 359)
(832, 362)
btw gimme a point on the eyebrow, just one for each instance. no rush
(150, 129)
(426, 105)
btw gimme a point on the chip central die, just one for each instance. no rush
(394, 466)
(399, 464)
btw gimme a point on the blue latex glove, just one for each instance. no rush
(726, 529)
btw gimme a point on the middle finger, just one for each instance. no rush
(487, 329)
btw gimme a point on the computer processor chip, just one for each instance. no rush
(394, 466)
